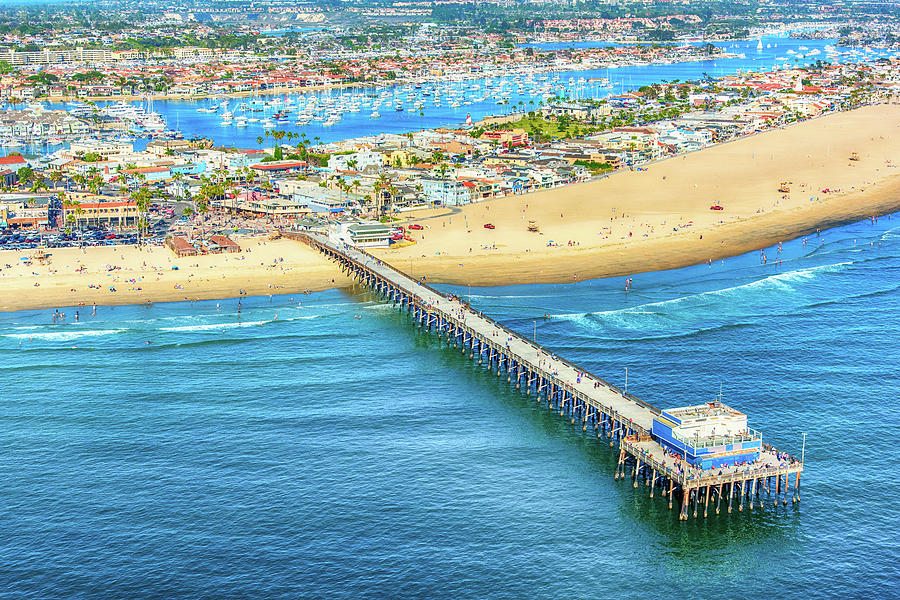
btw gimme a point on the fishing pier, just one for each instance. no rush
(642, 431)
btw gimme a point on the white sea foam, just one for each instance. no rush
(235, 325)
(660, 314)
(214, 326)
(61, 336)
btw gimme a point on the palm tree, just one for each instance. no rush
(141, 197)
(73, 211)
(37, 183)
(55, 177)
(95, 183)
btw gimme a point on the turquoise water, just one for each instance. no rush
(183, 450)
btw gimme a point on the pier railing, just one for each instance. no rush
(695, 478)
(509, 331)
(566, 386)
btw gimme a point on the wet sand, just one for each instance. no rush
(630, 222)
(660, 217)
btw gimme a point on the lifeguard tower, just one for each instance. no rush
(707, 435)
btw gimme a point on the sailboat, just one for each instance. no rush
(759, 46)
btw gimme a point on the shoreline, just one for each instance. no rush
(634, 222)
(318, 279)
(660, 218)
(153, 274)
(302, 89)
(664, 254)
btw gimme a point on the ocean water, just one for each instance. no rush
(185, 450)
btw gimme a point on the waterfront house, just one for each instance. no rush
(447, 192)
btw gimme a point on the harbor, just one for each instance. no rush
(337, 111)
(735, 466)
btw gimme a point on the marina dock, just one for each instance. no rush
(586, 399)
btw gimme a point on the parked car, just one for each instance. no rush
(416, 227)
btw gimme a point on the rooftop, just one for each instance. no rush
(703, 411)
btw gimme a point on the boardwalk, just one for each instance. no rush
(607, 409)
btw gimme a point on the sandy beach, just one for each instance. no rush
(129, 275)
(660, 217)
(631, 222)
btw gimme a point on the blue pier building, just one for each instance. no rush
(708, 435)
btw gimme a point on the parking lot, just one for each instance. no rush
(29, 239)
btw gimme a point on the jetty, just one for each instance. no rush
(732, 467)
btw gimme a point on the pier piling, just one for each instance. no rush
(570, 390)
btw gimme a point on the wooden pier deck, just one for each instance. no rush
(608, 410)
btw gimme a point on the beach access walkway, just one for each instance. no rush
(609, 410)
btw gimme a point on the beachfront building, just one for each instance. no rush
(116, 213)
(366, 235)
(309, 196)
(640, 144)
(708, 435)
(685, 139)
(447, 192)
(327, 204)
(263, 204)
